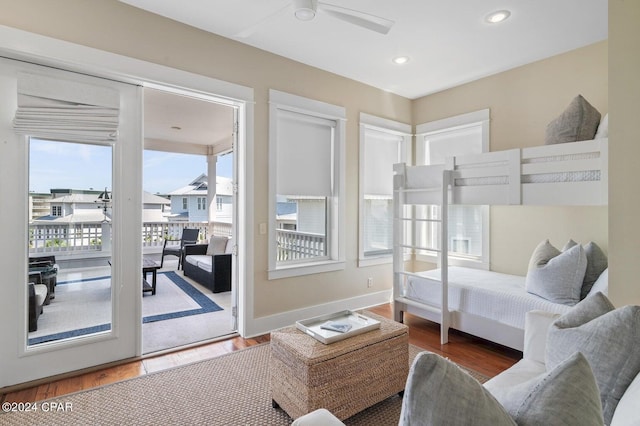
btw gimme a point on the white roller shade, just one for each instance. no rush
(304, 153)
(64, 109)
(381, 152)
(452, 142)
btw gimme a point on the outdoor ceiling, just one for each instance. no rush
(171, 118)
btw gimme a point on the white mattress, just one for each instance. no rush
(493, 295)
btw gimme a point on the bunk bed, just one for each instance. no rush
(480, 302)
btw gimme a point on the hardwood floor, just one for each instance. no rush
(482, 356)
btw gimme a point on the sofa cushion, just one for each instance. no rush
(41, 291)
(627, 410)
(217, 245)
(202, 261)
(556, 276)
(566, 395)
(578, 122)
(608, 339)
(438, 392)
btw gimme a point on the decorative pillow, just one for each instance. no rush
(597, 262)
(566, 395)
(217, 245)
(556, 276)
(438, 392)
(578, 122)
(601, 285)
(608, 339)
(603, 128)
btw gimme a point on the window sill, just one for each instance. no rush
(306, 269)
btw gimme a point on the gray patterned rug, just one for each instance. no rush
(228, 390)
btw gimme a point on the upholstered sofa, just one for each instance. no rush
(37, 296)
(210, 264)
(580, 368)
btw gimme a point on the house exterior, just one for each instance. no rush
(84, 206)
(189, 203)
(522, 101)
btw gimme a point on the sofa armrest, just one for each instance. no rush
(536, 327)
(195, 249)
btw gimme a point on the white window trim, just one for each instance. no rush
(372, 122)
(336, 228)
(462, 120)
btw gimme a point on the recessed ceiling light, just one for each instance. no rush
(400, 60)
(498, 16)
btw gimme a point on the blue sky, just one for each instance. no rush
(83, 166)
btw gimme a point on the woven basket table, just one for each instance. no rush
(345, 377)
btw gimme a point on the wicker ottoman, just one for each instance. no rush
(344, 377)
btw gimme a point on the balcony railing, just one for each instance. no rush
(294, 245)
(80, 239)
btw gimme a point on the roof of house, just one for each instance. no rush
(199, 186)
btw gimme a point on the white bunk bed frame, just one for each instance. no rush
(516, 176)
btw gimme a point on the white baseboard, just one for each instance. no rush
(263, 325)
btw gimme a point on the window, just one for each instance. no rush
(56, 210)
(219, 203)
(184, 203)
(202, 203)
(468, 225)
(306, 175)
(382, 144)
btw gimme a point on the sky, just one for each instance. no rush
(83, 166)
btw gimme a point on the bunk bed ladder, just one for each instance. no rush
(399, 275)
(443, 257)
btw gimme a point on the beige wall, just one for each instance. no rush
(624, 151)
(522, 101)
(115, 27)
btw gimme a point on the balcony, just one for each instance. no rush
(81, 242)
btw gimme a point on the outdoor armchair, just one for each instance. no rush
(189, 236)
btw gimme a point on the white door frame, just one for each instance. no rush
(22, 45)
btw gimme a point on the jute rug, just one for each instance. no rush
(229, 390)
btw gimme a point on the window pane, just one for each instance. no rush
(69, 240)
(378, 226)
(301, 232)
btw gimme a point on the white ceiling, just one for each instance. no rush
(448, 41)
(171, 118)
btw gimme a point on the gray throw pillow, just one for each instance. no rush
(556, 276)
(565, 395)
(217, 245)
(608, 339)
(578, 122)
(597, 262)
(438, 392)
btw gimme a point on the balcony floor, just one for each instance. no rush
(158, 335)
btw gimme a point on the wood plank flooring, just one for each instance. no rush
(482, 356)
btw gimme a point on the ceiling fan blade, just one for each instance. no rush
(362, 19)
(251, 29)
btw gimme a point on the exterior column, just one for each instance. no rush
(212, 159)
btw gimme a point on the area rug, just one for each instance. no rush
(83, 307)
(228, 390)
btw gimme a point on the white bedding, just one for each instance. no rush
(492, 295)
